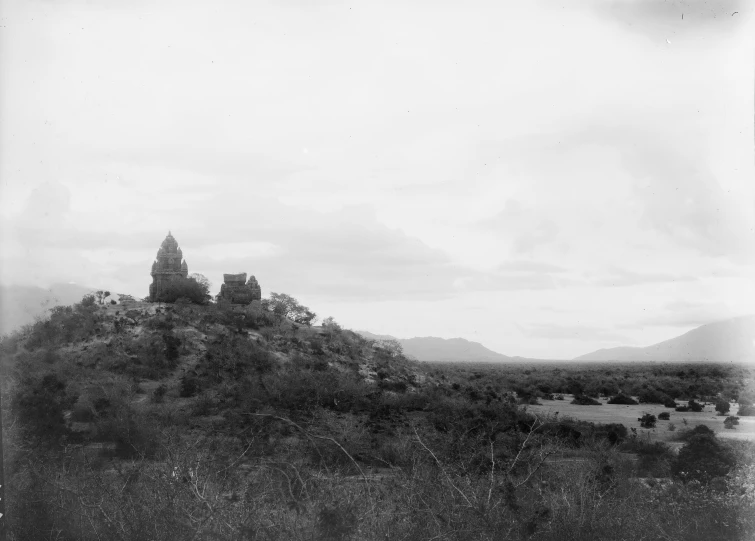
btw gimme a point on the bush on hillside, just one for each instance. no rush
(653, 396)
(187, 288)
(331, 324)
(40, 402)
(686, 435)
(746, 410)
(582, 400)
(615, 433)
(670, 403)
(286, 306)
(622, 399)
(565, 432)
(150, 355)
(654, 457)
(160, 322)
(190, 385)
(158, 395)
(647, 421)
(397, 386)
(664, 416)
(722, 406)
(702, 458)
(526, 394)
(172, 344)
(235, 357)
(66, 324)
(203, 281)
(134, 435)
(695, 406)
(299, 392)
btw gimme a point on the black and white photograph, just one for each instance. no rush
(338, 270)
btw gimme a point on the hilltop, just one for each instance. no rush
(729, 341)
(189, 349)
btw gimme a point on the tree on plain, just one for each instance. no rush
(722, 406)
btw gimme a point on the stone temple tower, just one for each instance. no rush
(168, 266)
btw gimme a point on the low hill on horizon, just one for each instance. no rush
(431, 348)
(728, 341)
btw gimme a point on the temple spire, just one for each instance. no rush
(169, 266)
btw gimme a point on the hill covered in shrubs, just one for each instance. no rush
(142, 420)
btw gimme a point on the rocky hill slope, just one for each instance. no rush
(102, 394)
(188, 350)
(191, 420)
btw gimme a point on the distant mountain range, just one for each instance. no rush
(20, 305)
(729, 341)
(430, 348)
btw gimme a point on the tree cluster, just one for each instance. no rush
(703, 457)
(183, 290)
(286, 306)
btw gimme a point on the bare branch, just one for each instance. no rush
(448, 477)
(492, 472)
(313, 436)
(533, 428)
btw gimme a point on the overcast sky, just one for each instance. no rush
(544, 177)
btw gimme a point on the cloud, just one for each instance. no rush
(662, 189)
(46, 207)
(575, 332)
(346, 254)
(343, 254)
(618, 277)
(683, 201)
(673, 18)
(503, 281)
(689, 314)
(531, 266)
(525, 227)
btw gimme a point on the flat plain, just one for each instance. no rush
(628, 415)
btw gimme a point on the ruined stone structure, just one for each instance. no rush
(236, 290)
(168, 266)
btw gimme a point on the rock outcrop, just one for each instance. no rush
(170, 265)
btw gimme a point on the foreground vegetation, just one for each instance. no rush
(186, 421)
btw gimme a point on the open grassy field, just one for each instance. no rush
(629, 415)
